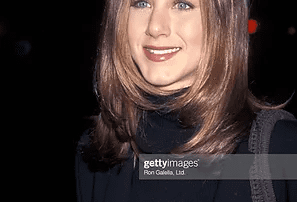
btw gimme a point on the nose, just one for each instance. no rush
(159, 24)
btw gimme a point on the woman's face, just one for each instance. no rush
(165, 39)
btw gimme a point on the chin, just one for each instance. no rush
(167, 84)
(159, 80)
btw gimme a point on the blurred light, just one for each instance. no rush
(252, 26)
(22, 48)
(291, 30)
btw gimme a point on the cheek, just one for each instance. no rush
(131, 29)
(134, 33)
(136, 26)
(191, 32)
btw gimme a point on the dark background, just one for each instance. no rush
(63, 37)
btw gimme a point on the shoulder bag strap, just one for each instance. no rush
(261, 185)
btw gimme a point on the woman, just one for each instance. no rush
(172, 78)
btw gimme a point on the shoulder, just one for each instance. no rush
(88, 155)
(282, 127)
(85, 176)
(274, 132)
(284, 137)
(82, 145)
(84, 141)
(286, 127)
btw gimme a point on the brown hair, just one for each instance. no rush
(219, 100)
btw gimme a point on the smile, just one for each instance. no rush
(160, 54)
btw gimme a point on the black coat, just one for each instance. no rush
(109, 186)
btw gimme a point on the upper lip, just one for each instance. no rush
(160, 47)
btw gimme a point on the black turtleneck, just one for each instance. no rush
(160, 131)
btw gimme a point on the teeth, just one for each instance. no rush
(160, 52)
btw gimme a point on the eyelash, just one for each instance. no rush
(176, 2)
(135, 3)
(190, 6)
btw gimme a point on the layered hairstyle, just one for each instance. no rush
(219, 99)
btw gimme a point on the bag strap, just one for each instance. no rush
(259, 139)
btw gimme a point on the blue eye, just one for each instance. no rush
(183, 6)
(141, 4)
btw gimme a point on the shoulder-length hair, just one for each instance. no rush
(219, 100)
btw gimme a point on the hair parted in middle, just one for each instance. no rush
(219, 99)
